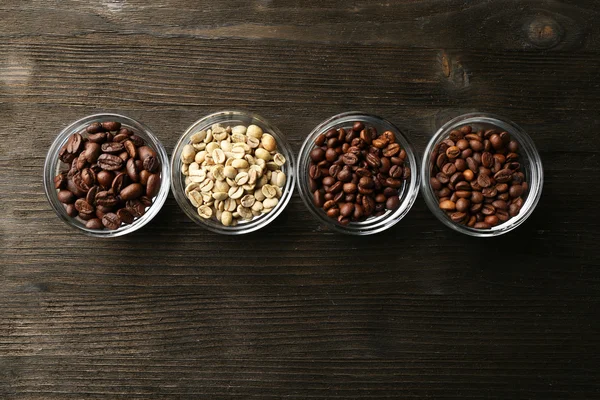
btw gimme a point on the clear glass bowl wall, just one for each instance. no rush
(53, 166)
(407, 193)
(531, 166)
(232, 118)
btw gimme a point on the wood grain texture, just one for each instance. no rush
(296, 311)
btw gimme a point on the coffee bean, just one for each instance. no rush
(106, 199)
(111, 221)
(94, 223)
(119, 183)
(350, 159)
(515, 191)
(458, 216)
(500, 204)
(91, 195)
(392, 203)
(484, 181)
(130, 148)
(153, 185)
(489, 192)
(145, 152)
(502, 215)
(133, 172)
(66, 197)
(482, 225)
(125, 216)
(110, 162)
(449, 169)
(448, 205)
(112, 147)
(462, 205)
(443, 178)
(372, 160)
(347, 209)
(132, 191)
(136, 208)
(453, 152)
(111, 125)
(503, 176)
(435, 183)
(83, 207)
(317, 154)
(391, 150)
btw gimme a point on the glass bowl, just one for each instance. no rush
(407, 193)
(531, 166)
(53, 166)
(232, 118)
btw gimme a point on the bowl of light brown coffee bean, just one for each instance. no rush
(106, 175)
(482, 175)
(232, 172)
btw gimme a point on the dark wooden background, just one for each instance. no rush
(295, 311)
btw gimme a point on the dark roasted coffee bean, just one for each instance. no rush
(111, 125)
(347, 209)
(110, 162)
(472, 164)
(94, 127)
(94, 223)
(111, 221)
(336, 187)
(380, 198)
(331, 155)
(441, 160)
(91, 195)
(484, 181)
(132, 191)
(435, 183)
(462, 205)
(350, 187)
(89, 177)
(513, 210)
(106, 199)
(86, 217)
(328, 181)
(125, 216)
(333, 212)
(334, 170)
(112, 147)
(318, 198)
(146, 201)
(482, 225)
(502, 187)
(502, 215)
(120, 182)
(60, 181)
(136, 208)
(503, 176)
(453, 152)
(515, 191)
(317, 154)
(350, 159)
(132, 170)
(119, 138)
(391, 150)
(314, 172)
(392, 203)
(488, 209)
(500, 204)
(84, 207)
(105, 178)
(395, 183)
(66, 197)
(145, 152)
(489, 192)
(458, 217)
(443, 178)
(462, 185)
(130, 148)
(456, 177)
(487, 160)
(449, 169)
(456, 135)
(373, 161)
(476, 145)
(345, 175)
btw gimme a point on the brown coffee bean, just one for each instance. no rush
(136, 208)
(462, 205)
(488, 209)
(83, 207)
(318, 198)
(515, 191)
(489, 192)
(373, 161)
(120, 137)
(317, 154)
(500, 204)
(449, 169)
(464, 194)
(333, 212)
(66, 197)
(331, 155)
(94, 223)
(453, 152)
(482, 225)
(328, 181)
(496, 141)
(476, 145)
(487, 160)
(448, 205)
(491, 220)
(350, 159)
(60, 181)
(460, 164)
(132, 191)
(347, 209)
(334, 170)
(132, 170)
(484, 181)
(111, 125)
(350, 187)
(110, 162)
(91, 195)
(443, 178)
(503, 176)
(111, 221)
(441, 160)
(435, 183)
(458, 217)
(391, 150)
(112, 147)
(106, 199)
(105, 178)
(513, 210)
(145, 152)
(392, 203)
(456, 177)
(502, 215)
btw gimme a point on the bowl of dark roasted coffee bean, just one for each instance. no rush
(482, 175)
(107, 175)
(357, 173)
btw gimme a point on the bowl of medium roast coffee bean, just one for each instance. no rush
(357, 173)
(107, 175)
(482, 175)
(232, 172)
